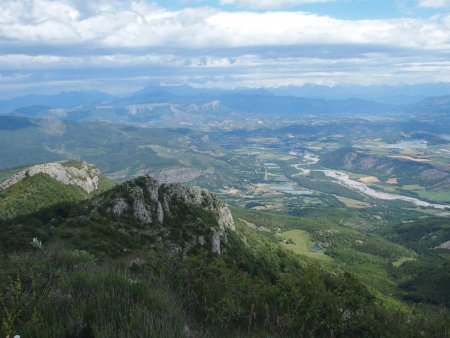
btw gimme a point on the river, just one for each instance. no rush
(345, 180)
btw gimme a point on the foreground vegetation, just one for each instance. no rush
(255, 289)
(68, 294)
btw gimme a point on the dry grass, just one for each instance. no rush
(392, 180)
(350, 203)
(233, 191)
(268, 207)
(369, 179)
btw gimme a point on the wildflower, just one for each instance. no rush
(132, 281)
(36, 243)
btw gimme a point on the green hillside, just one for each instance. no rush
(138, 260)
(119, 151)
(41, 191)
(35, 193)
(425, 279)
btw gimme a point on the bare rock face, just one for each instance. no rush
(167, 206)
(202, 198)
(140, 208)
(83, 175)
(159, 212)
(225, 219)
(215, 242)
(445, 245)
(152, 190)
(120, 207)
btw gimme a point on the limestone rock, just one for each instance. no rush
(140, 209)
(84, 175)
(445, 245)
(156, 204)
(215, 242)
(119, 207)
(159, 212)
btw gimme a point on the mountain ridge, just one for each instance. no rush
(189, 216)
(26, 190)
(80, 174)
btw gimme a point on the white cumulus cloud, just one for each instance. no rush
(143, 25)
(270, 3)
(133, 40)
(434, 3)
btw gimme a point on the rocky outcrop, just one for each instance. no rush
(120, 207)
(82, 175)
(445, 245)
(139, 207)
(202, 198)
(215, 242)
(167, 207)
(159, 212)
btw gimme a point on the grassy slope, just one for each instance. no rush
(68, 294)
(367, 255)
(299, 242)
(256, 289)
(41, 191)
(34, 193)
(426, 278)
(399, 265)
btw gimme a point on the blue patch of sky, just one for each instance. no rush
(341, 9)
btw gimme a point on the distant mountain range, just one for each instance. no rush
(187, 106)
(61, 100)
(391, 95)
(434, 105)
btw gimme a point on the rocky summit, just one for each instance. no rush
(166, 209)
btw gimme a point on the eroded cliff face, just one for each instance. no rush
(171, 209)
(83, 175)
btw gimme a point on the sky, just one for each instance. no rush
(119, 46)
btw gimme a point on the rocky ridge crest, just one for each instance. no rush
(83, 175)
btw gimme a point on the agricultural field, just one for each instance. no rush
(299, 242)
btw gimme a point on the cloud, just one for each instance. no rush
(365, 68)
(81, 43)
(434, 3)
(265, 4)
(143, 25)
(14, 77)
